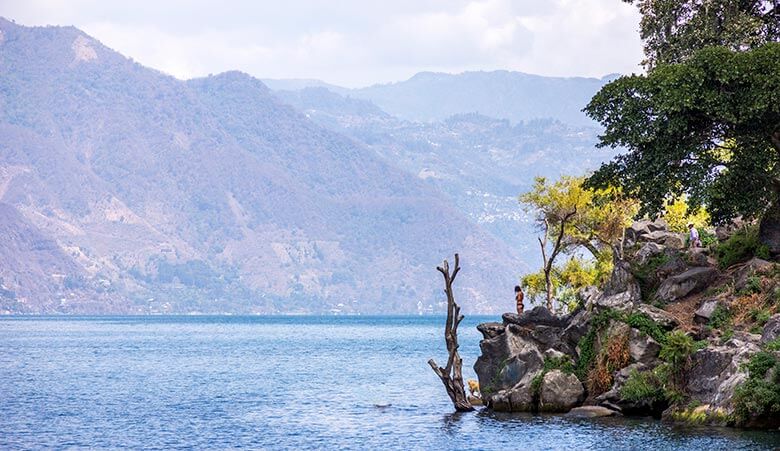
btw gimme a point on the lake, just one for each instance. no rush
(276, 383)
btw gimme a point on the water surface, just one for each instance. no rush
(275, 383)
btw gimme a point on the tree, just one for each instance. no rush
(672, 30)
(708, 128)
(571, 216)
(556, 206)
(452, 374)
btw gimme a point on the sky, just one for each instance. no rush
(354, 43)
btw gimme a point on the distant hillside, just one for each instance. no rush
(482, 163)
(137, 192)
(515, 96)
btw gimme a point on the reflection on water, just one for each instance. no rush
(278, 383)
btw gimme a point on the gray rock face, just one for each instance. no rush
(491, 330)
(715, 370)
(692, 281)
(662, 317)
(621, 291)
(771, 329)
(539, 315)
(643, 348)
(705, 311)
(668, 239)
(648, 250)
(699, 257)
(560, 392)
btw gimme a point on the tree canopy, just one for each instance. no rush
(672, 30)
(708, 128)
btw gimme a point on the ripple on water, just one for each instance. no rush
(275, 382)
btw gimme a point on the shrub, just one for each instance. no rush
(643, 386)
(753, 285)
(760, 363)
(677, 353)
(646, 325)
(759, 395)
(614, 355)
(773, 345)
(720, 317)
(741, 246)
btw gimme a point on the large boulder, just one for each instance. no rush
(641, 228)
(560, 392)
(716, 371)
(691, 281)
(771, 329)
(648, 250)
(621, 291)
(614, 400)
(537, 316)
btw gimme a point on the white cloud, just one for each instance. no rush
(353, 42)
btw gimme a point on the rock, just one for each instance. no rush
(705, 311)
(724, 232)
(750, 268)
(621, 291)
(699, 256)
(643, 348)
(716, 370)
(591, 412)
(491, 330)
(771, 329)
(648, 250)
(668, 239)
(560, 392)
(691, 281)
(577, 328)
(674, 265)
(539, 315)
(474, 401)
(661, 317)
(769, 227)
(624, 301)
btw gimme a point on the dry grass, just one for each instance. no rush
(612, 357)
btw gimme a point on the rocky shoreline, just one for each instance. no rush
(653, 341)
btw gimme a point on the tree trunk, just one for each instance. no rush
(452, 374)
(769, 226)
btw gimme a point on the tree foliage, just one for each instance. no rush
(708, 128)
(672, 30)
(678, 214)
(572, 217)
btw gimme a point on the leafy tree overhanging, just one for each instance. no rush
(708, 127)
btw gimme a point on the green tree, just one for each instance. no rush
(708, 128)
(672, 30)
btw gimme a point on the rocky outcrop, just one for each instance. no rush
(716, 370)
(560, 392)
(769, 228)
(705, 311)
(591, 412)
(750, 268)
(691, 281)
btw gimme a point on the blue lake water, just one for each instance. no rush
(275, 383)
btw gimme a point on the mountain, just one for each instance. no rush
(481, 163)
(137, 192)
(516, 96)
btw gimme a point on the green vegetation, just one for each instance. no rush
(773, 345)
(677, 351)
(720, 318)
(673, 30)
(644, 386)
(759, 396)
(588, 341)
(646, 325)
(741, 246)
(684, 136)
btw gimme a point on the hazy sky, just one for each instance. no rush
(354, 42)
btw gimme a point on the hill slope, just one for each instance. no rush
(212, 196)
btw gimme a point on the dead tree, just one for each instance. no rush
(452, 374)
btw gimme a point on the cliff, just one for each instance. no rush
(680, 334)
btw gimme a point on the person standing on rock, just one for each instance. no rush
(519, 299)
(694, 237)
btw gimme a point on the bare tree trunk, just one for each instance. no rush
(452, 374)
